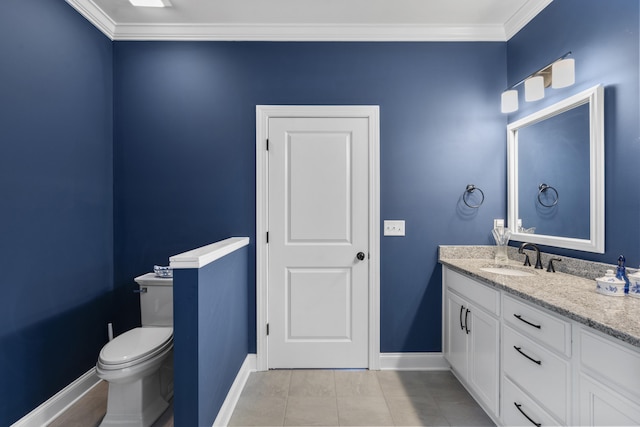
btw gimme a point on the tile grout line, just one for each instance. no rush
(386, 402)
(286, 400)
(384, 396)
(335, 392)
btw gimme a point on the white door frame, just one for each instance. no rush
(263, 113)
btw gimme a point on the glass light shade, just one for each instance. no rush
(509, 101)
(563, 73)
(150, 3)
(534, 88)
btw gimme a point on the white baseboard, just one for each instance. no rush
(66, 397)
(413, 362)
(229, 404)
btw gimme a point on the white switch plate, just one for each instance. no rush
(394, 228)
(498, 223)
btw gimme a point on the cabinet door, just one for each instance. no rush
(456, 335)
(484, 339)
(602, 406)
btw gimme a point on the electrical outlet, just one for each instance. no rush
(394, 228)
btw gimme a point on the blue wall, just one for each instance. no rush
(211, 336)
(604, 40)
(183, 158)
(185, 152)
(56, 186)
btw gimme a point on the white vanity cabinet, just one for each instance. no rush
(472, 335)
(528, 366)
(609, 381)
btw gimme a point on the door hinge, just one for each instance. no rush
(267, 329)
(267, 237)
(267, 144)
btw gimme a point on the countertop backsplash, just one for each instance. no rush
(577, 267)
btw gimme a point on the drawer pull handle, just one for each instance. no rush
(466, 322)
(461, 310)
(519, 350)
(517, 316)
(526, 416)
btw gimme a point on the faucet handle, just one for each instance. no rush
(550, 268)
(527, 261)
(538, 261)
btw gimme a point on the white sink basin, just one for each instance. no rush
(507, 271)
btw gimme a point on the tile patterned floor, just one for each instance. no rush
(326, 398)
(356, 398)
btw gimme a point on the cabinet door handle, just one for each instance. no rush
(461, 310)
(519, 350)
(466, 322)
(526, 416)
(517, 316)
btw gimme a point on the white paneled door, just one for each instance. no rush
(318, 223)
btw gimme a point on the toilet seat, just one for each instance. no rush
(134, 347)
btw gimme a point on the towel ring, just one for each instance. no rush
(542, 188)
(470, 189)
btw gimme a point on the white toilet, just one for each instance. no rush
(138, 364)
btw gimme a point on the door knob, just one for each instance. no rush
(360, 256)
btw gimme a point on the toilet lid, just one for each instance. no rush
(138, 343)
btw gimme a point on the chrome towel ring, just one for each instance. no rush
(543, 188)
(470, 189)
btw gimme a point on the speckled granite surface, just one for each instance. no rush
(571, 295)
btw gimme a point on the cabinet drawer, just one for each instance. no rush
(543, 327)
(518, 409)
(481, 295)
(615, 365)
(537, 371)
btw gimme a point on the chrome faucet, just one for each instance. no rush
(526, 259)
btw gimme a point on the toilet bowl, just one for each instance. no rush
(138, 365)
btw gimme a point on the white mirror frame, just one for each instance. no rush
(595, 98)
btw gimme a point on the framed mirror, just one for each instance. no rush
(556, 174)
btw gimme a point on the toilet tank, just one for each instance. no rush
(156, 303)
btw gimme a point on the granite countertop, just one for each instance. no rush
(569, 295)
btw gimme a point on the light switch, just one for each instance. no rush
(394, 227)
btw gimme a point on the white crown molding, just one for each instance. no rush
(524, 16)
(95, 15)
(285, 32)
(307, 32)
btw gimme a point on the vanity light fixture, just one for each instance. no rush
(150, 3)
(558, 74)
(563, 73)
(509, 101)
(534, 88)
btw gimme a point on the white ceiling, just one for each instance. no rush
(313, 20)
